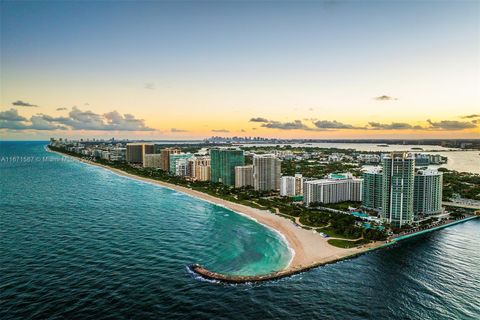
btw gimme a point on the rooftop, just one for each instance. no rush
(428, 172)
(372, 169)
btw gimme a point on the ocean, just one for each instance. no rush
(80, 242)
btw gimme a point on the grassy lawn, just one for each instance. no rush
(346, 243)
(343, 206)
(333, 234)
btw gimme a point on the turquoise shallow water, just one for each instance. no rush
(79, 242)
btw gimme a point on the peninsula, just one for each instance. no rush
(310, 247)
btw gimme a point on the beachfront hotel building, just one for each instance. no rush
(199, 168)
(266, 172)
(332, 190)
(181, 167)
(372, 188)
(291, 186)
(118, 154)
(174, 157)
(136, 151)
(397, 188)
(166, 152)
(408, 199)
(202, 173)
(153, 160)
(223, 162)
(243, 176)
(427, 193)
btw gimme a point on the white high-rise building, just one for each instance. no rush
(181, 167)
(397, 188)
(332, 190)
(266, 172)
(401, 193)
(291, 186)
(427, 193)
(243, 176)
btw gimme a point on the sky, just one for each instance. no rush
(286, 69)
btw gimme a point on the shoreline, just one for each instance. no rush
(308, 248)
(209, 275)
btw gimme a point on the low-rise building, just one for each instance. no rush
(117, 154)
(105, 155)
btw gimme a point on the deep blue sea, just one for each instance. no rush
(79, 242)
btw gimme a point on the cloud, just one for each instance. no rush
(451, 125)
(149, 85)
(319, 125)
(294, 125)
(40, 123)
(392, 126)
(259, 119)
(11, 115)
(471, 116)
(440, 125)
(20, 103)
(127, 122)
(242, 130)
(178, 130)
(13, 125)
(384, 98)
(60, 109)
(326, 124)
(10, 119)
(220, 130)
(76, 120)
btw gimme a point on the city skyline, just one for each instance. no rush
(165, 70)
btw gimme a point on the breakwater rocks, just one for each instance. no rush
(224, 278)
(237, 279)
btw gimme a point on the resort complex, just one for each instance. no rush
(401, 192)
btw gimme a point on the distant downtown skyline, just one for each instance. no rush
(186, 70)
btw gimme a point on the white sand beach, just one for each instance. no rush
(309, 247)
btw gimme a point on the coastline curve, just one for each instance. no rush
(309, 250)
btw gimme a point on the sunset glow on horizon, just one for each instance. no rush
(191, 70)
